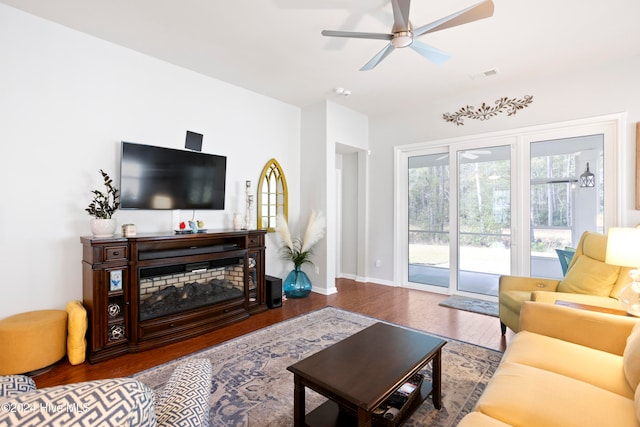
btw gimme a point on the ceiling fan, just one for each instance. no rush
(404, 35)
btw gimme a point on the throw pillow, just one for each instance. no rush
(589, 276)
(76, 330)
(14, 385)
(631, 359)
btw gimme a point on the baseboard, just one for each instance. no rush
(361, 279)
(324, 291)
(378, 281)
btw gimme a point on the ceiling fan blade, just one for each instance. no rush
(472, 13)
(431, 53)
(400, 14)
(378, 58)
(357, 35)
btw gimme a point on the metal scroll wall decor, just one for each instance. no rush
(485, 112)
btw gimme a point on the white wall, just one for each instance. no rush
(348, 131)
(563, 96)
(66, 102)
(313, 178)
(324, 126)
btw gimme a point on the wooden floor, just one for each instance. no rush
(407, 307)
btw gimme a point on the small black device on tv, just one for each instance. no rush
(165, 178)
(193, 141)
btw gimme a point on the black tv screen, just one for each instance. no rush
(164, 178)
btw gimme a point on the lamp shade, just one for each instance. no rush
(623, 247)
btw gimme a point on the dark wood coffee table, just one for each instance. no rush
(359, 373)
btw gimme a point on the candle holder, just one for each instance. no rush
(249, 203)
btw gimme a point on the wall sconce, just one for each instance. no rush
(587, 179)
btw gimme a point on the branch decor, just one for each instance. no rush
(298, 250)
(104, 204)
(485, 112)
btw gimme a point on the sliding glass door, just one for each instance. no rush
(472, 209)
(428, 182)
(567, 198)
(482, 250)
(484, 218)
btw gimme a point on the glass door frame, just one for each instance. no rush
(611, 126)
(456, 149)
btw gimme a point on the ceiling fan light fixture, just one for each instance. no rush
(402, 39)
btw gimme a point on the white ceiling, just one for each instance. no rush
(274, 47)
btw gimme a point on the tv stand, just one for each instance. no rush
(127, 283)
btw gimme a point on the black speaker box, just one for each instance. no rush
(193, 141)
(274, 291)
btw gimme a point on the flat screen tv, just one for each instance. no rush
(165, 178)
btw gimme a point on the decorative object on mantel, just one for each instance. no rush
(249, 202)
(191, 227)
(102, 208)
(485, 112)
(237, 221)
(298, 251)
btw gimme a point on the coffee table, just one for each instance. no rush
(360, 372)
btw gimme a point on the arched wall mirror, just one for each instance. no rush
(272, 196)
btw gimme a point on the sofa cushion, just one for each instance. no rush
(14, 385)
(119, 401)
(514, 299)
(76, 330)
(476, 419)
(184, 401)
(589, 276)
(522, 395)
(631, 357)
(569, 359)
(594, 245)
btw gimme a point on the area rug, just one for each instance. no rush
(489, 308)
(252, 387)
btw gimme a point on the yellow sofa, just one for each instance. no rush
(566, 367)
(589, 280)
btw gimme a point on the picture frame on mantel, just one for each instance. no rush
(638, 166)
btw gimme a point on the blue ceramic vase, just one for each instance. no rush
(297, 284)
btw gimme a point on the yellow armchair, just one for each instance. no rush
(589, 280)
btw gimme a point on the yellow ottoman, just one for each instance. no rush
(32, 340)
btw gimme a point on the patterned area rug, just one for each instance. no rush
(252, 386)
(489, 308)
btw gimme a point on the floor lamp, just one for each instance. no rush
(623, 248)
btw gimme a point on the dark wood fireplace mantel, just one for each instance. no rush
(111, 273)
